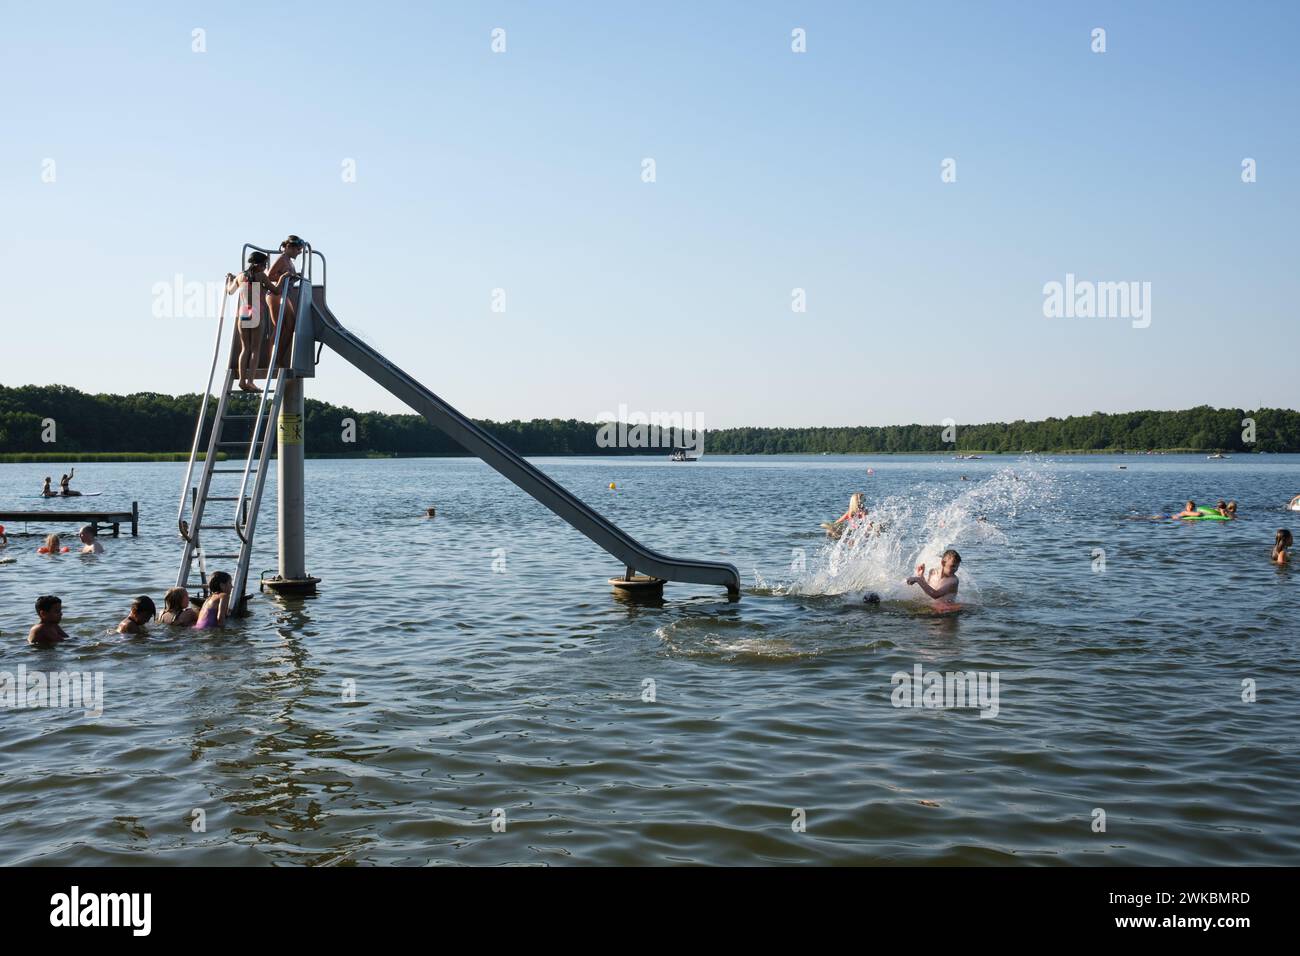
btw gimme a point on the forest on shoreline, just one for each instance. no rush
(152, 426)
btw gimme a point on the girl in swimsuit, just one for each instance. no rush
(47, 491)
(178, 610)
(64, 481)
(1283, 541)
(284, 265)
(217, 606)
(51, 546)
(249, 284)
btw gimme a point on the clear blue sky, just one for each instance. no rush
(775, 170)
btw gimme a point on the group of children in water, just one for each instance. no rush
(1224, 509)
(260, 290)
(177, 607)
(177, 612)
(1227, 510)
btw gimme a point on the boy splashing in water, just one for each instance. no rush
(941, 583)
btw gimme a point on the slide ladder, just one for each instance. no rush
(243, 429)
(478, 441)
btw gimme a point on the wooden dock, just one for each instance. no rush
(113, 519)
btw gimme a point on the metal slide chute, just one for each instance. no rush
(478, 441)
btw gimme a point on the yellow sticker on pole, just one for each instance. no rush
(290, 428)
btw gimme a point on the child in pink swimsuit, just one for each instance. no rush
(217, 606)
(249, 328)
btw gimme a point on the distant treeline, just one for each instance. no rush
(147, 422)
(1195, 429)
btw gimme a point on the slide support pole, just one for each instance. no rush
(290, 455)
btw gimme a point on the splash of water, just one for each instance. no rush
(903, 531)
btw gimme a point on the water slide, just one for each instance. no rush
(496, 453)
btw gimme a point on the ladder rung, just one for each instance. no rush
(240, 442)
(222, 498)
(232, 471)
(227, 418)
(211, 556)
(217, 527)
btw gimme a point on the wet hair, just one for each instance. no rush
(955, 557)
(1222, 504)
(292, 241)
(46, 603)
(1283, 540)
(1191, 505)
(89, 528)
(143, 606)
(256, 258)
(1232, 506)
(856, 503)
(52, 542)
(219, 581)
(174, 600)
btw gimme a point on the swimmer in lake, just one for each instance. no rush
(52, 546)
(852, 517)
(1189, 511)
(941, 583)
(216, 608)
(179, 611)
(50, 611)
(142, 613)
(1281, 543)
(856, 510)
(89, 537)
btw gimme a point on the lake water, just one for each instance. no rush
(497, 678)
